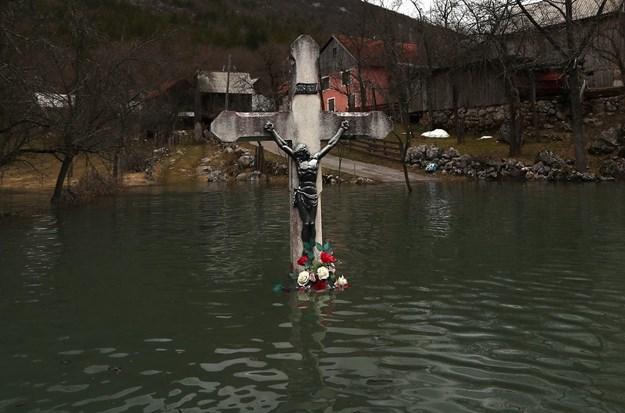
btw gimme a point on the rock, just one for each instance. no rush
(363, 181)
(248, 176)
(515, 170)
(600, 147)
(416, 154)
(433, 152)
(549, 158)
(228, 149)
(612, 136)
(463, 161)
(451, 153)
(216, 176)
(245, 161)
(539, 168)
(504, 132)
(588, 177)
(608, 142)
(332, 179)
(613, 168)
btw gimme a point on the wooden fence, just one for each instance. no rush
(382, 149)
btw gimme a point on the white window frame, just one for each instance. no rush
(333, 104)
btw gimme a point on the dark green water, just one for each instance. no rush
(466, 298)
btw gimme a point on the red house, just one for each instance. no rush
(354, 72)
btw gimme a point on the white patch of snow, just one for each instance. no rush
(486, 137)
(436, 133)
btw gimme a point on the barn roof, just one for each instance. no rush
(217, 82)
(551, 12)
(373, 51)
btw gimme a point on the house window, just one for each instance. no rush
(331, 105)
(335, 52)
(325, 83)
(351, 101)
(346, 77)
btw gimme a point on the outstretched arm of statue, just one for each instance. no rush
(333, 141)
(282, 144)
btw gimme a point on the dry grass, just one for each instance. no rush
(40, 171)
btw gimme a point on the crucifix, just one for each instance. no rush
(305, 126)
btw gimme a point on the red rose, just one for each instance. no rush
(320, 285)
(302, 260)
(327, 258)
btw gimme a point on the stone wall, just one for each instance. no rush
(552, 114)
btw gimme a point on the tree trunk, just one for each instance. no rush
(514, 104)
(454, 103)
(260, 157)
(577, 121)
(58, 188)
(533, 99)
(197, 108)
(117, 160)
(403, 150)
(429, 98)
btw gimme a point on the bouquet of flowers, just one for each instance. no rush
(319, 272)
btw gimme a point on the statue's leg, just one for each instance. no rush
(311, 224)
(307, 214)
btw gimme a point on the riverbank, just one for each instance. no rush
(550, 161)
(546, 155)
(179, 165)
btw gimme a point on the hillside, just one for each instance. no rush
(244, 23)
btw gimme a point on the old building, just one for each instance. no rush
(355, 75)
(215, 86)
(176, 104)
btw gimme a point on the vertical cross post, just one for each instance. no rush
(306, 118)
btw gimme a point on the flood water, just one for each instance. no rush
(466, 297)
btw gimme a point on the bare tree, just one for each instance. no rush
(20, 115)
(404, 75)
(85, 87)
(559, 23)
(488, 23)
(610, 41)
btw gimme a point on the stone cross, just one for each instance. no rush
(305, 124)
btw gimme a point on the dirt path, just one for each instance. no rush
(376, 172)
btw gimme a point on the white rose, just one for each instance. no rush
(342, 281)
(302, 278)
(323, 273)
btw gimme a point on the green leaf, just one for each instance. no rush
(278, 288)
(327, 246)
(319, 246)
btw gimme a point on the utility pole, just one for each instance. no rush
(197, 130)
(228, 83)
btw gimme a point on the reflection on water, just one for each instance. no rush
(466, 297)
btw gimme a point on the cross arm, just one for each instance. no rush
(372, 125)
(231, 126)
